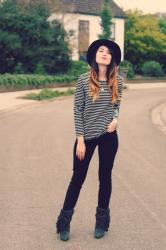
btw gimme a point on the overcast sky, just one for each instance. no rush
(147, 6)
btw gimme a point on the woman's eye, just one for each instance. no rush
(103, 50)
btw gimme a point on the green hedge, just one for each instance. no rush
(22, 80)
(40, 78)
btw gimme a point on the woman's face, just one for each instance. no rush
(103, 55)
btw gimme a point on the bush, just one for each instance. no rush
(126, 65)
(22, 80)
(40, 69)
(152, 68)
(19, 69)
(77, 68)
(48, 94)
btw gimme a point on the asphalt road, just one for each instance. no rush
(36, 166)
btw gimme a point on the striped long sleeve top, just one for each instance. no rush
(92, 118)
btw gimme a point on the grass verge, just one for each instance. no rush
(48, 94)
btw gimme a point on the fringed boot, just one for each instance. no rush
(63, 224)
(102, 222)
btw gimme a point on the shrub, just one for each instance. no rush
(35, 80)
(126, 65)
(77, 68)
(19, 68)
(152, 68)
(48, 94)
(40, 69)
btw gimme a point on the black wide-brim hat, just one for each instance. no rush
(108, 43)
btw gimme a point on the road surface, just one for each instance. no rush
(36, 166)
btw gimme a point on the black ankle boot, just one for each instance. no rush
(63, 223)
(102, 222)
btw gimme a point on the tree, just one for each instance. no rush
(144, 40)
(28, 39)
(162, 25)
(106, 21)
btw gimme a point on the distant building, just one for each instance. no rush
(82, 18)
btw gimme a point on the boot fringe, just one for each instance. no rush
(102, 218)
(63, 221)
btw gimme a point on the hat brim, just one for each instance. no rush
(108, 43)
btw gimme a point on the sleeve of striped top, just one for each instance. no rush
(118, 101)
(79, 102)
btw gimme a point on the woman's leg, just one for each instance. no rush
(107, 149)
(80, 168)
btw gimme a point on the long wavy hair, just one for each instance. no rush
(111, 73)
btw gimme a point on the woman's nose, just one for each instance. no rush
(104, 53)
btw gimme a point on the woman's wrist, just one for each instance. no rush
(115, 119)
(80, 138)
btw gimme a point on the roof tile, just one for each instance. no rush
(92, 7)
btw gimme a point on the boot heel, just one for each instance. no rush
(63, 224)
(102, 222)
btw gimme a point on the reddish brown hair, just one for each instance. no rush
(94, 87)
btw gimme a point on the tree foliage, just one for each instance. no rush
(106, 21)
(145, 39)
(27, 39)
(162, 25)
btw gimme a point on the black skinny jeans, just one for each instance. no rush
(107, 148)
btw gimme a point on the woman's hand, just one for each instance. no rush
(113, 125)
(80, 150)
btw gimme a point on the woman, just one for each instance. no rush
(96, 110)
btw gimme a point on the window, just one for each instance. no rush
(83, 25)
(83, 38)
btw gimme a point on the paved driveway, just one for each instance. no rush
(36, 167)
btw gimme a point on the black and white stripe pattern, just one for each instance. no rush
(92, 118)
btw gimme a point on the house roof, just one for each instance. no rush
(92, 7)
